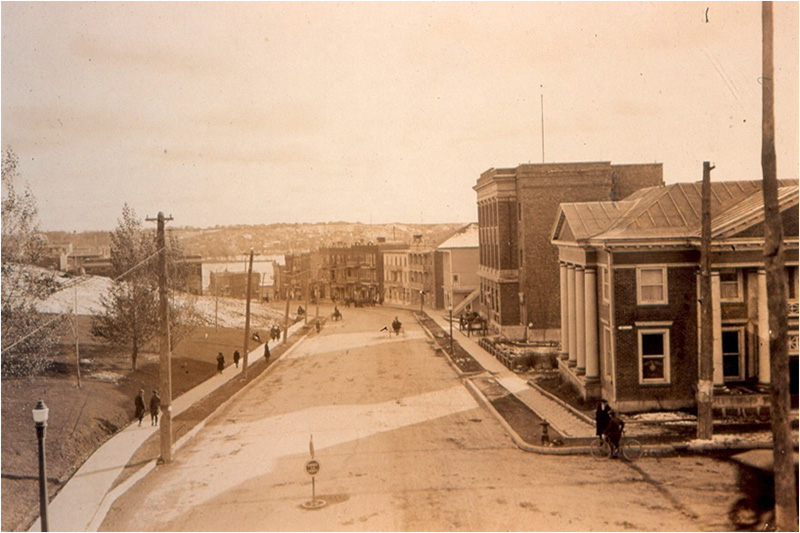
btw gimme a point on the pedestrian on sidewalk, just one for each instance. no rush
(220, 363)
(396, 325)
(155, 408)
(266, 350)
(601, 417)
(613, 432)
(139, 402)
(236, 358)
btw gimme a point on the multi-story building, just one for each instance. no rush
(630, 301)
(518, 266)
(395, 277)
(460, 256)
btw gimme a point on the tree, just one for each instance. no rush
(131, 310)
(130, 319)
(27, 336)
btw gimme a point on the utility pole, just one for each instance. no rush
(286, 320)
(165, 359)
(783, 456)
(705, 379)
(247, 317)
(308, 289)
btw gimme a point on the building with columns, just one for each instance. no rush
(518, 267)
(630, 302)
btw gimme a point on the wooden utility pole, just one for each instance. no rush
(165, 359)
(308, 289)
(705, 378)
(286, 320)
(783, 451)
(247, 317)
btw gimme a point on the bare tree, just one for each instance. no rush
(28, 336)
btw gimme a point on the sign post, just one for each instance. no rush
(312, 469)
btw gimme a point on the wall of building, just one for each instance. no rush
(681, 311)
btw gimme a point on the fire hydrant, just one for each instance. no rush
(545, 433)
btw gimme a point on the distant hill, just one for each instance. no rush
(223, 241)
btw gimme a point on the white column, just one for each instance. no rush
(564, 311)
(592, 360)
(580, 320)
(573, 353)
(717, 328)
(763, 330)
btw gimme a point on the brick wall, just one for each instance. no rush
(682, 311)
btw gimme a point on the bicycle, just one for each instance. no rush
(630, 449)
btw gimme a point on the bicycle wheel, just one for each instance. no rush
(631, 449)
(600, 450)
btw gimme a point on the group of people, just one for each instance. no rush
(155, 407)
(609, 425)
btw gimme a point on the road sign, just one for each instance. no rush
(312, 467)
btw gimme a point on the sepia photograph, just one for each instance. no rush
(399, 266)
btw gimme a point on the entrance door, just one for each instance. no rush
(733, 354)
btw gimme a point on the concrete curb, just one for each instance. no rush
(561, 402)
(122, 488)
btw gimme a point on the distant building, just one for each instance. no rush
(460, 259)
(395, 277)
(630, 302)
(518, 267)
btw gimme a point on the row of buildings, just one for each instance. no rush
(604, 260)
(416, 274)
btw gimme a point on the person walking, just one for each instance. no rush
(155, 408)
(139, 403)
(396, 325)
(613, 432)
(236, 358)
(220, 363)
(266, 351)
(601, 417)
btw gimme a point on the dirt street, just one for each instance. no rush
(403, 446)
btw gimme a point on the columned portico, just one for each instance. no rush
(573, 352)
(580, 320)
(592, 360)
(763, 330)
(564, 311)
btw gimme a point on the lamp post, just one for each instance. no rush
(40, 414)
(451, 331)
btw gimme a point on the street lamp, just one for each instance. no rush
(451, 331)
(40, 414)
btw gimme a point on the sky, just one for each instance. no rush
(224, 113)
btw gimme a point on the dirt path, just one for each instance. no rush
(403, 447)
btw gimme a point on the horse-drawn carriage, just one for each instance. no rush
(473, 321)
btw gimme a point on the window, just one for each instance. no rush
(730, 285)
(654, 356)
(607, 355)
(455, 278)
(651, 284)
(605, 284)
(732, 354)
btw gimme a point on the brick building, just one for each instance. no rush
(518, 266)
(630, 302)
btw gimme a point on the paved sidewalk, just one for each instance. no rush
(76, 505)
(560, 417)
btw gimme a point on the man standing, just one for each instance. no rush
(220, 363)
(155, 408)
(139, 403)
(601, 417)
(236, 358)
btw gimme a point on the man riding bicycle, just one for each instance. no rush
(613, 432)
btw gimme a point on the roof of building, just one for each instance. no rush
(466, 237)
(672, 211)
